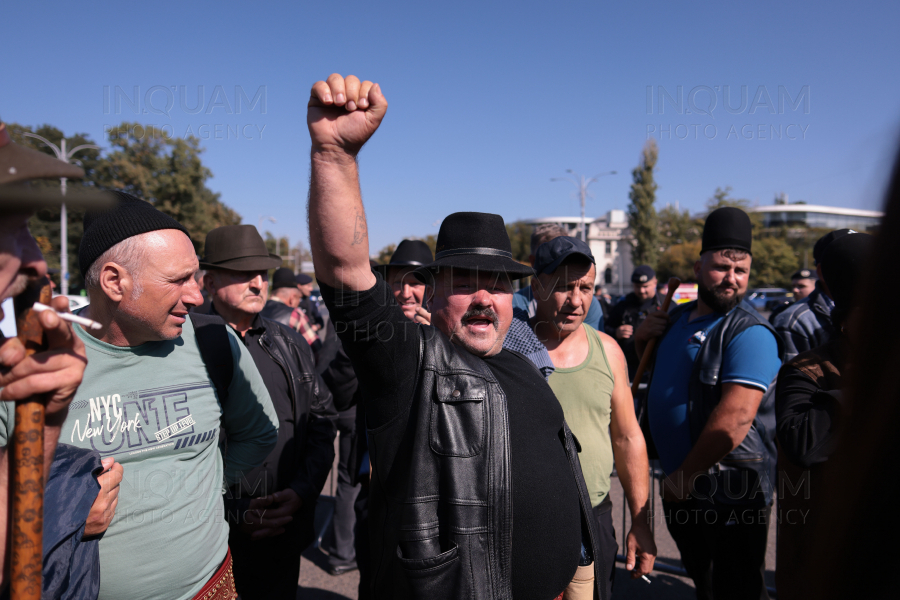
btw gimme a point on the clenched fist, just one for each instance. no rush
(343, 113)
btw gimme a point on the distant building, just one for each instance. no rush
(610, 242)
(816, 216)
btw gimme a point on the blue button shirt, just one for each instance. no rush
(750, 359)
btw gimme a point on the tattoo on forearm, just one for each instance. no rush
(359, 229)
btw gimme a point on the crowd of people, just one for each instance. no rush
(189, 435)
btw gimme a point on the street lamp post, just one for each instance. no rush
(65, 156)
(582, 184)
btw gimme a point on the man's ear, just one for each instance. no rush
(697, 269)
(115, 281)
(209, 283)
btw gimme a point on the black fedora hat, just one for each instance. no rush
(238, 248)
(410, 253)
(477, 241)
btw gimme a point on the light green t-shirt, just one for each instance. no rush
(585, 394)
(154, 408)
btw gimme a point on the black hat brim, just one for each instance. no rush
(383, 269)
(476, 262)
(246, 263)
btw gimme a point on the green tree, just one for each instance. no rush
(773, 263)
(642, 218)
(676, 227)
(280, 246)
(678, 261)
(167, 172)
(520, 239)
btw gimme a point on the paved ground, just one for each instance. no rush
(316, 584)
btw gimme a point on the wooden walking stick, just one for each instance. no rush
(27, 464)
(674, 282)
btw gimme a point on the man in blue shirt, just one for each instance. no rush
(711, 419)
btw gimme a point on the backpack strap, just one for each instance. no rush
(215, 349)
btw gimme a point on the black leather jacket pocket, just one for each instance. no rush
(457, 418)
(435, 578)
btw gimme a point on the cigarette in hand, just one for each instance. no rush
(69, 317)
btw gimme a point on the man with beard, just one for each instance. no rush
(712, 425)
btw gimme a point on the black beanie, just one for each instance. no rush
(843, 261)
(284, 278)
(727, 227)
(130, 216)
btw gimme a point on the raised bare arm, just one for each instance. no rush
(343, 114)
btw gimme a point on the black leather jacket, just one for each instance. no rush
(440, 500)
(277, 311)
(747, 474)
(303, 460)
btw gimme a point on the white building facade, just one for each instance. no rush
(611, 243)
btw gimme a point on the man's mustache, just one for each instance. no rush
(486, 313)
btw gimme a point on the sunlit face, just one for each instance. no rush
(803, 288)
(242, 291)
(722, 280)
(169, 289)
(563, 297)
(473, 308)
(645, 291)
(409, 292)
(306, 289)
(20, 257)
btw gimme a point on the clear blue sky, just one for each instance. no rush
(487, 103)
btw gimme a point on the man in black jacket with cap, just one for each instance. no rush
(476, 487)
(711, 419)
(272, 508)
(628, 314)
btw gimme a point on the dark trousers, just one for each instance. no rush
(339, 544)
(608, 545)
(267, 569)
(723, 551)
(362, 544)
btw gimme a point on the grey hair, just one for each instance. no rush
(544, 233)
(128, 254)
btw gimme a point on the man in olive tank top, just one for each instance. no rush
(590, 380)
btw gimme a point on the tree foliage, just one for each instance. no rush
(168, 172)
(143, 161)
(678, 261)
(642, 217)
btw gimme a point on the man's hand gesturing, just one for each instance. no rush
(343, 114)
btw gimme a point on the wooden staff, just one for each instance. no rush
(27, 465)
(674, 282)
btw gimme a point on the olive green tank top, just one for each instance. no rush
(585, 393)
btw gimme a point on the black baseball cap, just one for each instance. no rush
(550, 255)
(643, 274)
(804, 274)
(303, 279)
